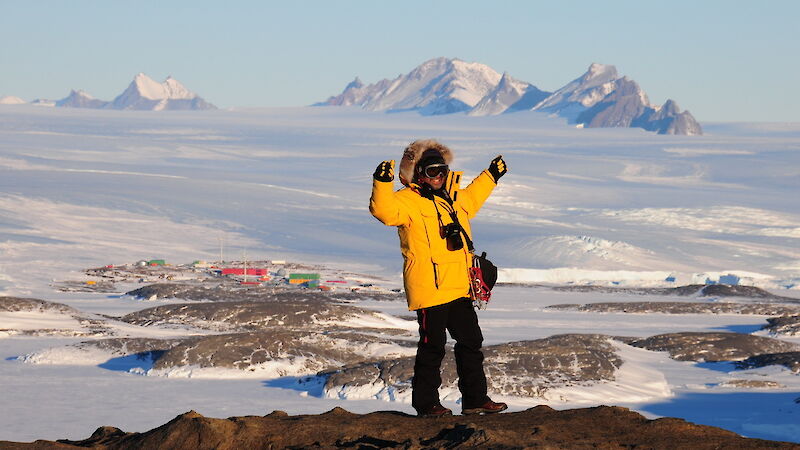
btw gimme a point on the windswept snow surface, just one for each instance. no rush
(86, 188)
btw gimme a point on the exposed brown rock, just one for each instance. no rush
(228, 292)
(89, 326)
(601, 427)
(252, 315)
(755, 384)
(784, 325)
(306, 351)
(712, 347)
(691, 290)
(760, 309)
(790, 360)
(525, 368)
(32, 304)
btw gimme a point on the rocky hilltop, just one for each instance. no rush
(601, 427)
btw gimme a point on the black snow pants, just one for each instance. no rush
(459, 318)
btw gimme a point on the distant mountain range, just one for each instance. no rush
(599, 98)
(143, 93)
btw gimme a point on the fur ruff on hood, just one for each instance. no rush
(413, 153)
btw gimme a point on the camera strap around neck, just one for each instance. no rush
(453, 217)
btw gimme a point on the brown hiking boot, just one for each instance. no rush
(435, 411)
(489, 407)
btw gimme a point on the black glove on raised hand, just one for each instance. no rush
(385, 171)
(498, 168)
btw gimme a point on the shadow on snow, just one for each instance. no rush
(313, 385)
(753, 414)
(138, 363)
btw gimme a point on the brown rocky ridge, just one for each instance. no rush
(602, 427)
(711, 346)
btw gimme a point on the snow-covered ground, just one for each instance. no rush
(86, 188)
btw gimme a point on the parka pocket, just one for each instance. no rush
(450, 275)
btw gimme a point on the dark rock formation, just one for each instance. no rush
(89, 325)
(790, 360)
(761, 309)
(602, 427)
(292, 352)
(712, 347)
(236, 292)
(525, 368)
(785, 325)
(692, 290)
(241, 316)
(33, 304)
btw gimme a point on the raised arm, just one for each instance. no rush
(474, 195)
(383, 204)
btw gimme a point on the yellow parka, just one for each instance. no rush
(432, 274)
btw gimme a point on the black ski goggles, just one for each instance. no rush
(435, 171)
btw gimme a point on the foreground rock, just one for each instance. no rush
(525, 369)
(601, 427)
(758, 309)
(712, 347)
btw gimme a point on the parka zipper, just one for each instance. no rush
(435, 276)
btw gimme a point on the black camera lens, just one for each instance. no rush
(452, 233)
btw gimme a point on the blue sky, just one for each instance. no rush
(722, 60)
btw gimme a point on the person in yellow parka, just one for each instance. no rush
(432, 227)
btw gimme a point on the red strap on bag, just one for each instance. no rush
(479, 290)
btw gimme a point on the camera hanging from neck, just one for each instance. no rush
(453, 216)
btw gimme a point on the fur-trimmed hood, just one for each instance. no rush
(413, 153)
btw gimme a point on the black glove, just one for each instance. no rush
(498, 168)
(385, 171)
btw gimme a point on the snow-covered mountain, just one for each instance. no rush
(11, 100)
(509, 95)
(80, 99)
(144, 93)
(598, 98)
(437, 86)
(581, 93)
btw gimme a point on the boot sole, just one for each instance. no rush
(428, 416)
(481, 411)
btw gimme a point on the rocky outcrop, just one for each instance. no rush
(604, 427)
(525, 368)
(692, 290)
(251, 316)
(84, 324)
(761, 309)
(790, 360)
(788, 325)
(235, 292)
(277, 353)
(712, 347)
